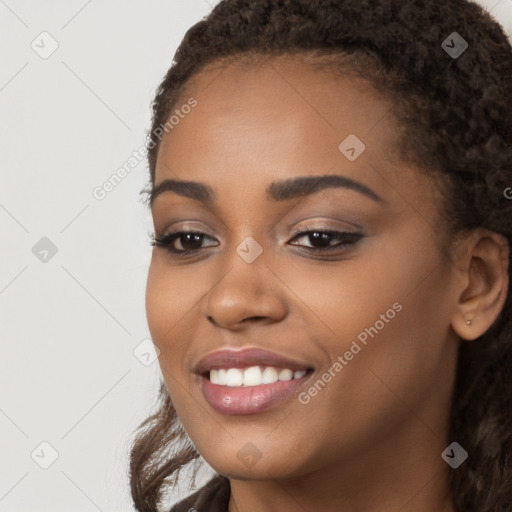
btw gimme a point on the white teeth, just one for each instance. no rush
(285, 374)
(234, 377)
(253, 376)
(214, 376)
(270, 375)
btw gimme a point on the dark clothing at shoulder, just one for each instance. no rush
(212, 497)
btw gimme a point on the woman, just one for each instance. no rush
(329, 287)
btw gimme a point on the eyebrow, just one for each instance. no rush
(276, 191)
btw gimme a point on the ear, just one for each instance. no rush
(483, 264)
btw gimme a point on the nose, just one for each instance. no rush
(246, 293)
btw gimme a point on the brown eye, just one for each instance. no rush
(188, 241)
(321, 240)
(181, 241)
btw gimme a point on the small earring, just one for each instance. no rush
(468, 322)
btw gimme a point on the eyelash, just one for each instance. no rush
(167, 241)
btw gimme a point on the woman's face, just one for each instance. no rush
(364, 310)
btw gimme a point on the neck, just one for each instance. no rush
(408, 476)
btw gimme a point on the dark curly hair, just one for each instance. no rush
(455, 116)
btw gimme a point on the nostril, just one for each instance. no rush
(212, 321)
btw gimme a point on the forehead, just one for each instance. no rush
(279, 101)
(275, 117)
(287, 89)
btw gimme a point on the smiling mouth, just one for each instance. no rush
(250, 380)
(253, 376)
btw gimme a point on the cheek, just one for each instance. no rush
(168, 303)
(158, 305)
(170, 298)
(407, 355)
(333, 303)
(164, 311)
(388, 313)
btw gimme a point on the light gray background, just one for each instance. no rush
(69, 326)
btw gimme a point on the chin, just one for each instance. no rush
(248, 463)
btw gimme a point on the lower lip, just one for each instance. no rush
(251, 399)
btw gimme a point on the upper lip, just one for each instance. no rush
(241, 358)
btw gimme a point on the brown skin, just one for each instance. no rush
(372, 439)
